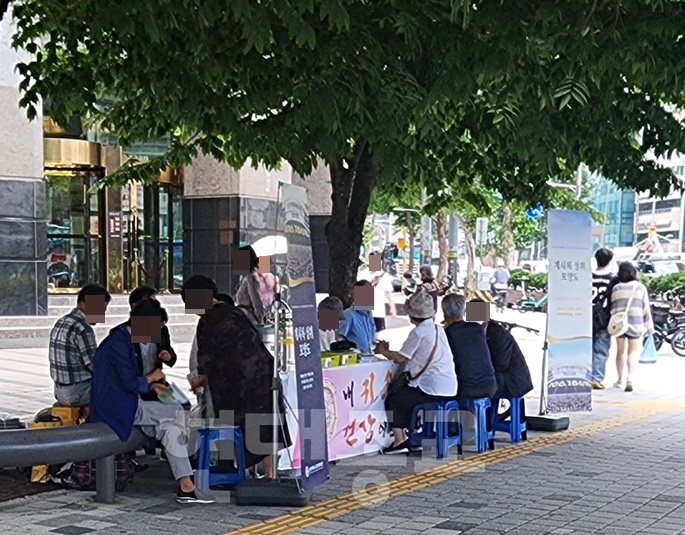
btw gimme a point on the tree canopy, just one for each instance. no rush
(503, 94)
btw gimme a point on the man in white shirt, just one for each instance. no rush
(382, 294)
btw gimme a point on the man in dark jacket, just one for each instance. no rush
(117, 387)
(513, 375)
(472, 363)
(154, 355)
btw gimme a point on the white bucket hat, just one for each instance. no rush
(420, 306)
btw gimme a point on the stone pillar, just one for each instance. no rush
(23, 227)
(224, 208)
(320, 205)
(113, 214)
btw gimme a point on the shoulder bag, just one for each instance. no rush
(618, 324)
(403, 379)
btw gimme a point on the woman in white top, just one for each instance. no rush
(435, 382)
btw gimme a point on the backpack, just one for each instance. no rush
(601, 315)
(83, 473)
(601, 310)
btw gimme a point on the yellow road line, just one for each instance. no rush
(333, 508)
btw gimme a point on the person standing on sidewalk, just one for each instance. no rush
(382, 294)
(603, 281)
(630, 296)
(73, 345)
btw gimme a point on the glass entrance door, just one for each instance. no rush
(75, 252)
(150, 236)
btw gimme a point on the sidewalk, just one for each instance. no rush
(606, 476)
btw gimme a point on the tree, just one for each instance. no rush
(442, 223)
(510, 92)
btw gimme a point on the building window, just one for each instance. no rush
(645, 207)
(679, 170)
(667, 204)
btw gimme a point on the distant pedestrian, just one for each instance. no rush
(73, 345)
(603, 281)
(429, 284)
(382, 295)
(630, 296)
(500, 283)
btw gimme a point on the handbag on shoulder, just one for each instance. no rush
(403, 378)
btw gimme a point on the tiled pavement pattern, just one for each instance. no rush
(618, 479)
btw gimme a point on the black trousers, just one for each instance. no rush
(401, 404)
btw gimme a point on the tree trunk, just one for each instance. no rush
(351, 196)
(441, 222)
(410, 228)
(508, 245)
(470, 242)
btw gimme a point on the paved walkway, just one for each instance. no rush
(616, 471)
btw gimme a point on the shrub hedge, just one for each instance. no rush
(657, 286)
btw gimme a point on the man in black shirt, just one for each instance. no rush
(603, 281)
(472, 362)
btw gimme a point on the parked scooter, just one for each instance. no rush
(59, 275)
(669, 327)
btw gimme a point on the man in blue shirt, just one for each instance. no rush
(358, 326)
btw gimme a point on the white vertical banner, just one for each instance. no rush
(569, 312)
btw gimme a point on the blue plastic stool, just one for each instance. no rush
(430, 426)
(485, 434)
(451, 430)
(207, 476)
(516, 425)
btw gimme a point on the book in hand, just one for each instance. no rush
(173, 395)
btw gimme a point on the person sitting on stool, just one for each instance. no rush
(472, 362)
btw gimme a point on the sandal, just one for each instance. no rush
(629, 387)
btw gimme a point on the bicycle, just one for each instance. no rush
(530, 303)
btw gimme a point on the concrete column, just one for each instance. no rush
(225, 208)
(23, 227)
(320, 206)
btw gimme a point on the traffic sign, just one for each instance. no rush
(536, 212)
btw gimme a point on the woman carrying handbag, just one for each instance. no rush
(631, 321)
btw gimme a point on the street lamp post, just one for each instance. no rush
(426, 233)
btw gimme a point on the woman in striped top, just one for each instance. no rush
(630, 296)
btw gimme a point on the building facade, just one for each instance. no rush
(665, 214)
(617, 208)
(60, 230)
